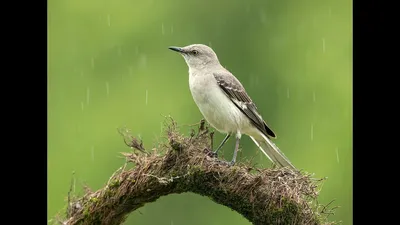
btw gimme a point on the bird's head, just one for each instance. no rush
(197, 55)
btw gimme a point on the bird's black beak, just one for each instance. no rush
(177, 49)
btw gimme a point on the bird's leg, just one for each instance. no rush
(212, 140)
(222, 143)
(235, 151)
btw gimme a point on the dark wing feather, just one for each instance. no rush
(237, 94)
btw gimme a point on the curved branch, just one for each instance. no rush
(184, 164)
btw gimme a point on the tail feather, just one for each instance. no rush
(273, 153)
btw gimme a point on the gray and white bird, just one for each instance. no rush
(224, 103)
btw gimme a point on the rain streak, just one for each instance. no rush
(337, 155)
(108, 88)
(109, 20)
(147, 93)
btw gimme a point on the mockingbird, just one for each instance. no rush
(225, 104)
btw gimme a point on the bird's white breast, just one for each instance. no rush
(215, 106)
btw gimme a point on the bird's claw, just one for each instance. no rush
(210, 153)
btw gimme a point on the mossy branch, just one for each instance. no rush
(184, 164)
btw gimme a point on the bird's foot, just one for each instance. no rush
(226, 163)
(210, 153)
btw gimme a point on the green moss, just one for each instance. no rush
(86, 212)
(94, 199)
(195, 168)
(288, 213)
(114, 183)
(108, 193)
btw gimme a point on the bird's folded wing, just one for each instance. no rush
(235, 91)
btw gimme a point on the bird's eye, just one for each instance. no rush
(195, 52)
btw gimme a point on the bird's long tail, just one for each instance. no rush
(272, 152)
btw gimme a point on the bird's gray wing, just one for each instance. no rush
(235, 91)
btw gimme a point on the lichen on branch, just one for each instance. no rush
(186, 164)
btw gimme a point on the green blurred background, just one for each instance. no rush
(109, 66)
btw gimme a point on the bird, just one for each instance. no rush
(225, 104)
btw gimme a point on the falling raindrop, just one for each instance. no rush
(137, 50)
(146, 96)
(87, 95)
(108, 88)
(74, 182)
(92, 152)
(323, 45)
(92, 62)
(254, 80)
(172, 29)
(287, 93)
(109, 20)
(330, 11)
(82, 105)
(210, 44)
(313, 96)
(82, 74)
(263, 16)
(143, 60)
(119, 51)
(337, 154)
(312, 132)
(162, 29)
